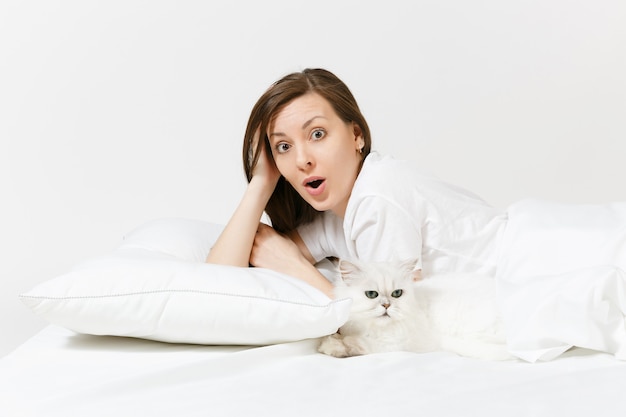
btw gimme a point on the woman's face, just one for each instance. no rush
(316, 152)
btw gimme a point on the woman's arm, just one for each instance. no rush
(280, 253)
(246, 241)
(295, 237)
(234, 245)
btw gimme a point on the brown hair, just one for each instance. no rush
(285, 208)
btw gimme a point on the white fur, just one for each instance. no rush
(455, 313)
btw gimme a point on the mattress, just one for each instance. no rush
(62, 373)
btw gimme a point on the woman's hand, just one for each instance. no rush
(274, 251)
(277, 252)
(265, 168)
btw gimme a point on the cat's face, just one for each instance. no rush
(380, 291)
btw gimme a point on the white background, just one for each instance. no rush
(113, 113)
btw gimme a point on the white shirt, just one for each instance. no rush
(397, 212)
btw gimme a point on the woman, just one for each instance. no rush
(559, 269)
(307, 158)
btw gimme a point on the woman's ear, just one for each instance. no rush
(358, 136)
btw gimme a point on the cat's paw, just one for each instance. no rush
(333, 345)
(353, 346)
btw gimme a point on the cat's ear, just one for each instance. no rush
(410, 266)
(347, 269)
(416, 274)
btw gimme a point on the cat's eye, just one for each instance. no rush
(396, 293)
(371, 294)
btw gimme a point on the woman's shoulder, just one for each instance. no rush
(378, 160)
(384, 172)
(385, 180)
(388, 164)
(403, 180)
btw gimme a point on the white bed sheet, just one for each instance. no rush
(60, 373)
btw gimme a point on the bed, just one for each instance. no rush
(61, 373)
(152, 330)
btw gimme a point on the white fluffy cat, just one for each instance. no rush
(393, 309)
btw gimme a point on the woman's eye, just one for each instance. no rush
(371, 294)
(396, 293)
(282, 147)
(318, 134)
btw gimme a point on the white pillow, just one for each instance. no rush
(157, 286)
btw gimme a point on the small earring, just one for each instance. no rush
(361, 150)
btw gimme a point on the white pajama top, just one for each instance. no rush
(397, 212)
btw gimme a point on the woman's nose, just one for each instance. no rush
(304, 159)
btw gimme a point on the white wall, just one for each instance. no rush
(113, 113)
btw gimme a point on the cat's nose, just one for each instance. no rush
(386, 305)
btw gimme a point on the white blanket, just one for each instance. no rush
(561, 280)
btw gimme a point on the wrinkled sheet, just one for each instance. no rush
(59, 373)
(561, 280)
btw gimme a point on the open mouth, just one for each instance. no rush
(315, 184)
